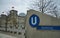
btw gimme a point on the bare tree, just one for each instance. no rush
(45, 6)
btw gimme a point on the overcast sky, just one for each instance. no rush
(20, 5)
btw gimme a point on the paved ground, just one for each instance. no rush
(6, 36)
(10, 35)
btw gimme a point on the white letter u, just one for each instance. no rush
(35, 20)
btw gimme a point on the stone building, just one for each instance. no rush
(3, 22)
(13, 23)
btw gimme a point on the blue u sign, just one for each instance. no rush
(34, 20)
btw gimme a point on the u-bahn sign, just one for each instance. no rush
(34, 21)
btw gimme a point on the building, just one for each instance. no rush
(3, 21)
(13, 23)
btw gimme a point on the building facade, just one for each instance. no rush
(13, 23)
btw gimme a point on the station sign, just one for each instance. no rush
(34, 21)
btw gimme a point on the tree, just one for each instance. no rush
(45, 6)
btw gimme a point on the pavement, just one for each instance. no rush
(10, 35)
(6, 36)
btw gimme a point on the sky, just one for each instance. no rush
(20, 5)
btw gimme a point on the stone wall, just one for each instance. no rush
(44, 20)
